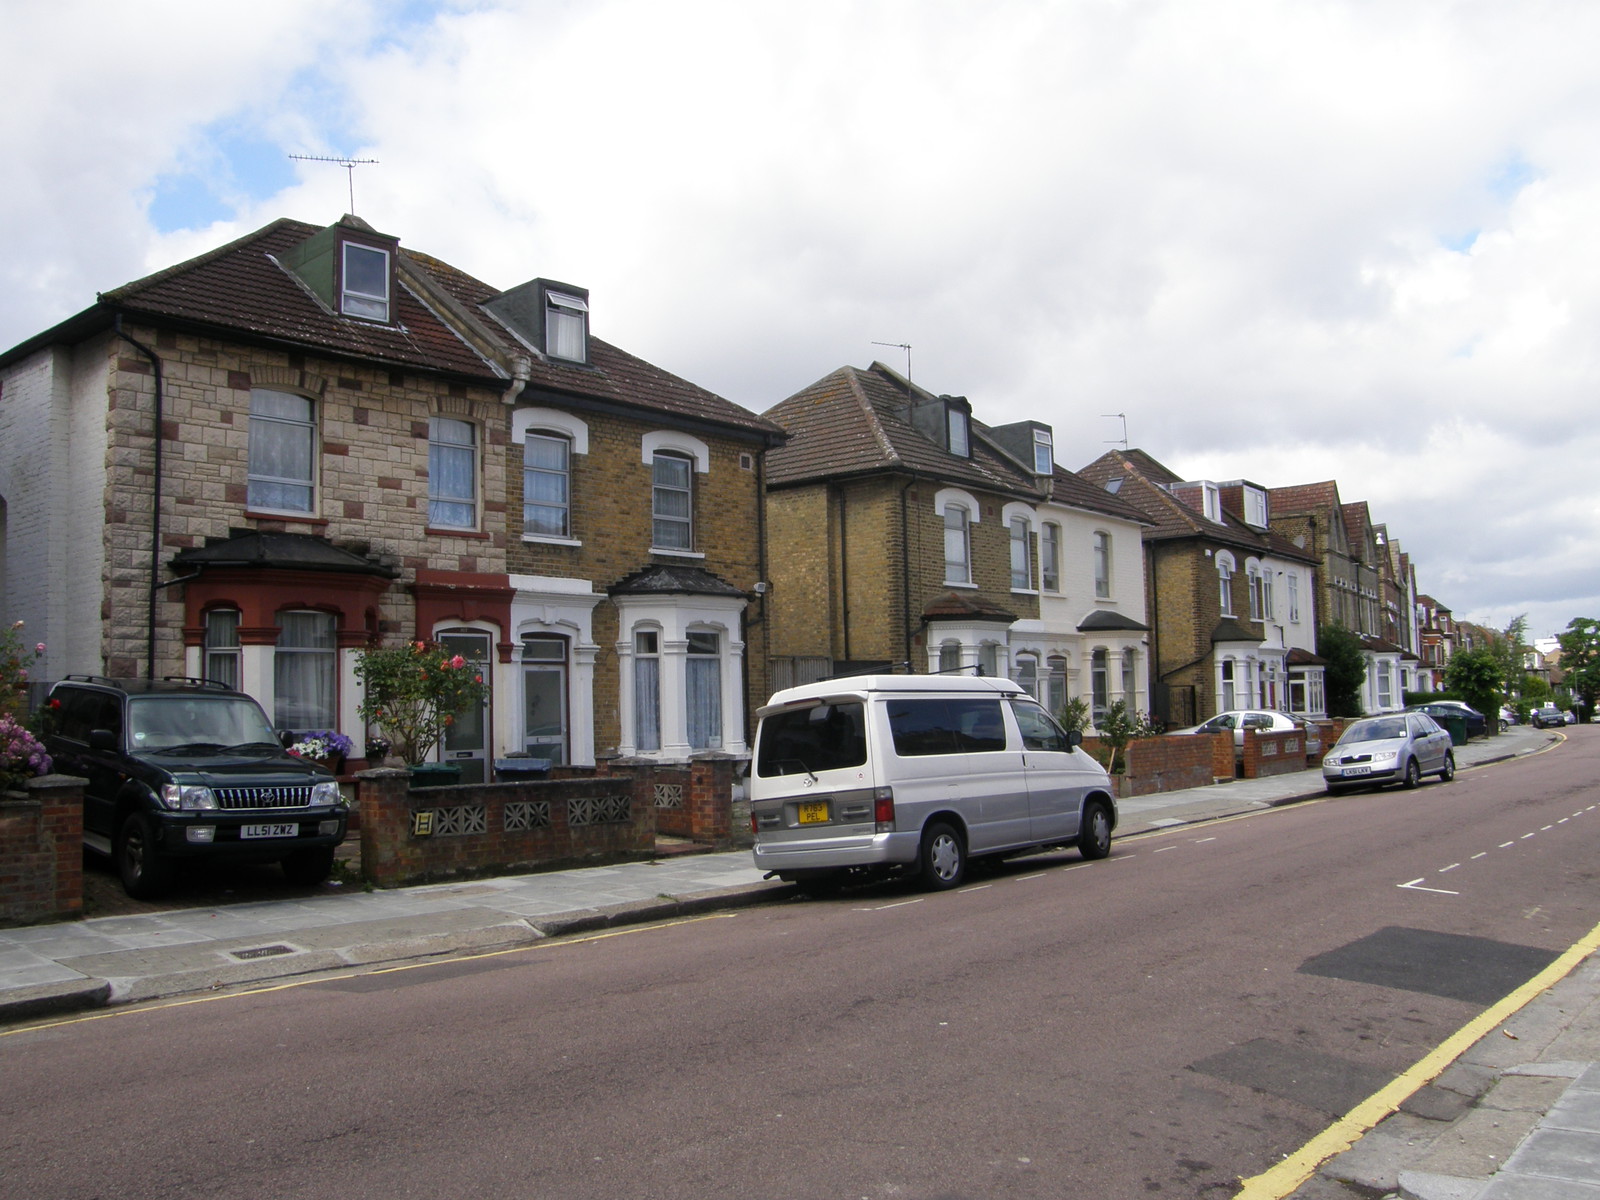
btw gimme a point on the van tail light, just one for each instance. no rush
(883, 809)
(755, 826)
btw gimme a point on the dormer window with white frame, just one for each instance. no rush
(566, 326)
(1044, 460)
(364, 281)
(1255, 507)
(1212, 502)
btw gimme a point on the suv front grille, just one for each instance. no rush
(285, 796)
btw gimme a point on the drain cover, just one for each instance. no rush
(262, 952)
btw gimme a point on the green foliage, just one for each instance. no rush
(16, 659)
(1510, 650)
(413, 693)
(1346, 673)
(1074, 714)
(1116, 728)
(1475, 676)
(1580, 658)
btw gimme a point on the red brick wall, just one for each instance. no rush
(1270, 753)
(1168, 764)
(392, 854)
(41, 851)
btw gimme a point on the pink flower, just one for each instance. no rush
(39, 649)
(458, 662)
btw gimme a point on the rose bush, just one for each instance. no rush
(16, 658)
(21, 755)
(413, 693)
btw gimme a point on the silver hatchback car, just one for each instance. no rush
(1399, 747)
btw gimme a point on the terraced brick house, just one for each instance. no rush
(905, 533)
(255, 463)
(1232, 604)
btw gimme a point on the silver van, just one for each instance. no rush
(884, 774)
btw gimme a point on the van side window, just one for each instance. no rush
(1039, 732)
(824, 737)
(954, 726)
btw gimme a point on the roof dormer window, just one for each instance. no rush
(1044, 462)
(957, 424)
(1255, 507)
(364, 282)
(566, 326)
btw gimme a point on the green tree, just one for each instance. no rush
(1580, 658)
(1346, 672)
(1116, 728)
(1474, 675)
(1510, 649)
(413, 693)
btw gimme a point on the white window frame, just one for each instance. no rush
(662, 521)
(1050, 556)
(369, 306)
(1252, 570)
(959, 432)
(259, 425)
(566, 326)
(1225, 570)
(1044, 460)
(438, 446)
(551, 437)
(221, 647)
(944, 501)
(1101, 556)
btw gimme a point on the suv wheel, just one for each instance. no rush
(308, 867)
(145, 873)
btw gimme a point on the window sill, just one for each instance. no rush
(267, 514)
(539, 539)
(1024, 591)
(443, 531)
(951, 583)
(677, 553)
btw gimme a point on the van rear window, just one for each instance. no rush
(823, 737)
(953, 726)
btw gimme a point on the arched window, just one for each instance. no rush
(1099, 684)
(1225, 583)
(672, 501)
(957, 545)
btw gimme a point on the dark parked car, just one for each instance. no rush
(187, 770)
(1548, 717)
(1477, 723)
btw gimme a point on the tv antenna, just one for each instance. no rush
(906, 346)
(1123, 417)
(349, 164)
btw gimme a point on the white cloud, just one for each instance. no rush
(1291, 242)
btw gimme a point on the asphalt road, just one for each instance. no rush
(1157, 1024)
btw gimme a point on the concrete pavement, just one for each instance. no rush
(1516, 1118)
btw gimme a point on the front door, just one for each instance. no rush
(466, 739)
(544, 697)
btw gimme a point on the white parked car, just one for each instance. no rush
(1239, 719)
(1402, 747)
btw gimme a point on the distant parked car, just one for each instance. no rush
(1477, 723)
(1508, 717)
(1379, 750)
(1572, 717)
(1548, 717)
(1237, 720)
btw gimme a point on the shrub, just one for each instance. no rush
(21, 755)
(413, 693)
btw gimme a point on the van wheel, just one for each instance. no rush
(145, 873)
(1094, 838)
(308, 867)
(944, 858)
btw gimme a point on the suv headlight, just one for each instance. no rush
(187, 797)
(327, 793)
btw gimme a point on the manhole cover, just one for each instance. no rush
(263, 952)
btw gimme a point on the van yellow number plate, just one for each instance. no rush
(814, 812)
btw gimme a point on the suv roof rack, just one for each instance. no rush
(209, 683)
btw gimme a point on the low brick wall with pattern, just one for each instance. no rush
(41, 851)
(1272, 753)
(492, 828)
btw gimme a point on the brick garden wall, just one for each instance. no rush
(1271, 753)
(41, 851)
(609, 812)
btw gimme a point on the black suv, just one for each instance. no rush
(187, 769)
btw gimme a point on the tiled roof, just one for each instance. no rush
(281, 551)
(674, 580)
(1303, 498)
(857, 421)
(953, 606)
(1074, 491)
(241, 288)
(440, 325)
(1169, 516)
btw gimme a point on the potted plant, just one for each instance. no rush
(323, 746)
(413, 693)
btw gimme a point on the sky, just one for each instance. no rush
(1277, 241)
